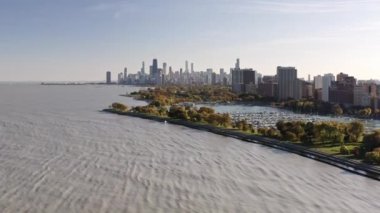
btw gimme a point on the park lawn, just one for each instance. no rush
(334, 149)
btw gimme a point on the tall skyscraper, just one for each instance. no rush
(237, 64)
(125, 74)
(327, 79)
(164, 66)
(288, 86)
(108, 77)
(186, 66)
(120, 78)
(209, 76)
(143, 68)
(192, 67)
(156, 76)
(155, 68)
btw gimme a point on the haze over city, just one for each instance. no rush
(80, 39)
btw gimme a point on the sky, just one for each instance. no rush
(76, 40)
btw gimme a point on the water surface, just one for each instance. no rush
(58, 153)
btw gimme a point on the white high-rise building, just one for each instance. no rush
(318, 82)
(326, 83)
(209, 76)
(186, 66)
(164, 66)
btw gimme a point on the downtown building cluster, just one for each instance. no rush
(166, 75)
(284, 85)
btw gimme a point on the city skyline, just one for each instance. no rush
(79, 40)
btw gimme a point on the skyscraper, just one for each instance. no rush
(327, 79)
(243, 80)
(143, 68)
(288, 86)
(155, 68)
(192, 67)
(318, 82)
(164, 65)
(108, 77)
(155, 72)
(209, 76)
(186, 67)
(125, 75)
(237, 64)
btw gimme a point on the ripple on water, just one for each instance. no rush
(60, 154)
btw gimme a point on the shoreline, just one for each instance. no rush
(345, 164)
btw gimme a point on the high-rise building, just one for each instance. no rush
(341, 76)
(237, 64)
(120, 78)
(181, 78)
(155, 75)
(209, 76)
(268, 87)
(318, 82)
(164, 66)
(155, 68)
(342, 90)
(362, 96)
(327, 79)
(243, 80)
(307, 89)
(143, 68)
(192, 67)
(213, 78)
(288, 85)
(186, 66)
(108, 77)
(125, 74)
(258, 78)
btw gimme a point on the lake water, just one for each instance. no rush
(58, 153)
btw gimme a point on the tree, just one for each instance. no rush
(290, 136)
(365, 112)
(355, 131)
(337, 110)
(178, 112)
(309, 134)
(226, 120)
(207, 110)
(370, 142)
(119, 106)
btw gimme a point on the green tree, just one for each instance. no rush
(370, 142)
(336, 109)
(309, 134)
(355, 131)
(119, 106)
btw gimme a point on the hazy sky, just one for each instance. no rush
(81, 39)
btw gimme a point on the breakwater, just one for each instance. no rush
(348, 165)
